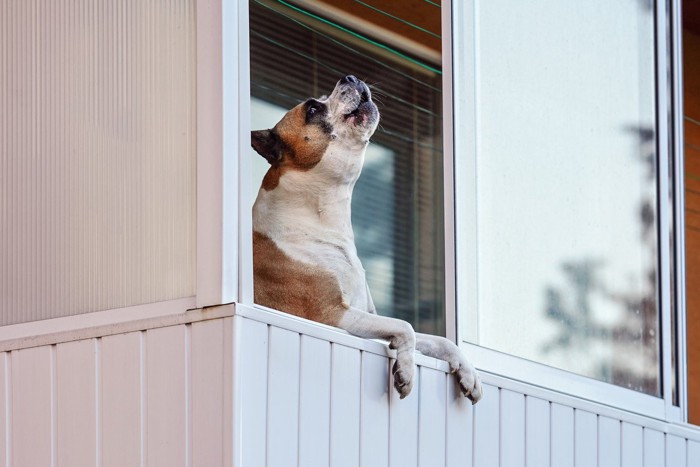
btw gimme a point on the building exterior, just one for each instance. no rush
(524, 197)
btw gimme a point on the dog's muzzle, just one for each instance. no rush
(359, 100)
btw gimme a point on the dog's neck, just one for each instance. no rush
(303, 203)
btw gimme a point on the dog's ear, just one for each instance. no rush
(267, 144)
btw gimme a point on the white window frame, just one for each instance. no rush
(459, 25)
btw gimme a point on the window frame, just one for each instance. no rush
(458, 19)
(667, 43)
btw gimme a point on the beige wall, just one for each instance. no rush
(97, 155)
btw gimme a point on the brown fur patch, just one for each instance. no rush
(292, 286)
(272, 178)
(303, 145)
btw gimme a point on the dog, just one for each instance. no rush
(304, 256)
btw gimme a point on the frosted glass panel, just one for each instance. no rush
(97, 161)
(566, 186)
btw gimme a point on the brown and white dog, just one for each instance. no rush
(305, 261)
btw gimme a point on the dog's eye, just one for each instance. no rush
(312, 110)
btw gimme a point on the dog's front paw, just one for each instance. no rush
(403, 372)
(469, 381)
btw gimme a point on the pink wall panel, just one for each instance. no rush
(4, 383)
(76, 424)
(210, 373)
(33, 406)
(120, 397)
(166, 405)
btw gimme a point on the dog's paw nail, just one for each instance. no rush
(469, 382)
(403, 377)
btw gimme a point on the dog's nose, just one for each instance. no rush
(349, 79)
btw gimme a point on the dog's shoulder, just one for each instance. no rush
(298, 287)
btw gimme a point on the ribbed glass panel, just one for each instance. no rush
(97, 160)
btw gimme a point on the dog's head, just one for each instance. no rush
(328, 134)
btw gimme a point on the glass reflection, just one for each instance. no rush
(566, 186)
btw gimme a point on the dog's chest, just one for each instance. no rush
(335, 254)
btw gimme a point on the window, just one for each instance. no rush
(563, 187)
(97, 158)
(300, 50)
(560, 119)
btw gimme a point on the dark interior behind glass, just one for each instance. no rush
(397, 209)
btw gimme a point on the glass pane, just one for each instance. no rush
(397, 212)
(97, 155)
(566, 186)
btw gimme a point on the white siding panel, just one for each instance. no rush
(345, 407)
(537, 432)
(585, 439)
(460, 423)
(431, 416)
(632, 445)
(562, 440)
(120, 393)
(76, 398)
(208, 372)
(166, 403)
(693, 453)
(486, 428)
(653, 448)
(512, 429)
(32, 411)
(314, 402)
(374, 417)
(675, 451)
(251, 348)
(609, 438)
(283, 399)
(403, 426)
(163, 397)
